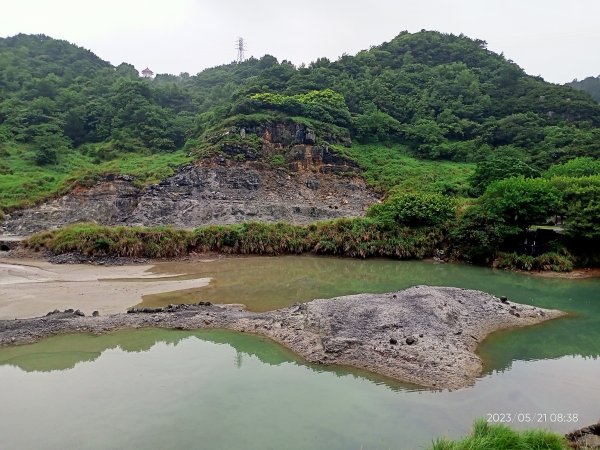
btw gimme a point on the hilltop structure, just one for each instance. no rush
(147, 73)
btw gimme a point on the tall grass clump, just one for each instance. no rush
(251, 238)
(350, 237)
(98, 240)
(486, 436)
(546, 261)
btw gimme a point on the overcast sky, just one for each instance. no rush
(557, 39)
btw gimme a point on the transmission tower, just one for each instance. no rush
(241, 48)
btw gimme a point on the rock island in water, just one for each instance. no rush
(423, 335)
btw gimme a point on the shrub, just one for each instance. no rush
(546, 261)
(522, 201)
(414, 209)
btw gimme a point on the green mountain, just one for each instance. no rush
(426, 116)
(591, 85)
(66, 114)
(445, 96)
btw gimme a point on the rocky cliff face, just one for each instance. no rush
(304, 183)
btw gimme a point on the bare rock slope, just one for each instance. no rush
(423, 335)
(309, 182)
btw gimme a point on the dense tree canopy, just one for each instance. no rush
(446, 96)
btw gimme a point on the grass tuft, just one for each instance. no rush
(487, 436)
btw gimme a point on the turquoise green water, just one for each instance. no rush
(160, 389)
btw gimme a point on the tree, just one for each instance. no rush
(581, 205)
(414, 209)
(501, 165)
(521, 201)
(577, 167)
(480, 233)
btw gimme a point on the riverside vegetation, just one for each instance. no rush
(426, 114)
(409, 225)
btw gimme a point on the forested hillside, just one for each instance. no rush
(591, 85)
(426, 112)
(444, 96)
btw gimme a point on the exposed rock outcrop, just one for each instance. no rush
(587, 438)
(423, 335)
(242, 183)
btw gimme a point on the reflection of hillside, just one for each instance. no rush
(66, 351)
(571, 336)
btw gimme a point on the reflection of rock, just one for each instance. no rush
(351, 330)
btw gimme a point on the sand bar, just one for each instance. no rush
(31, 288)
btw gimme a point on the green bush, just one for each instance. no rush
(479, 233)
(414, 209)
(522, 201)
(325, 105)
(577, 167)
(277, 160)
(546, 261)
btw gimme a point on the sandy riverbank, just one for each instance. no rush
(31, 287)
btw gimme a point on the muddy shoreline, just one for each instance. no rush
(422, 335)
(22, 255)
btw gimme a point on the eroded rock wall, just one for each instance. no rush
(309, 182)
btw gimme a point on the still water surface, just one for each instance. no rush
(222, 390)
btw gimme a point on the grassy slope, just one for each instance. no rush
(22, 182)
(390, 169)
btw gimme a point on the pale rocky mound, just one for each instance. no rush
(423, 335)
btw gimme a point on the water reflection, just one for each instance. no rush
(64, 352)
(219, 389)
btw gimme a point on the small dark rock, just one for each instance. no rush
(79, 313)
(394, 296)
(393, 341)
(504, 300)
(95, 314)
(411, 340)
(70, 310)
(421, 335)
(459, 332)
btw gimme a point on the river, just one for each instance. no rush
(220, 390)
